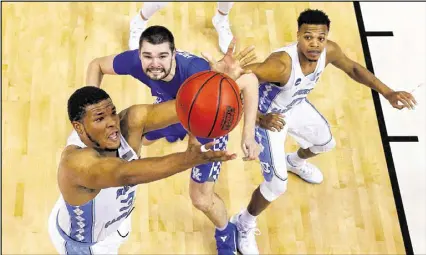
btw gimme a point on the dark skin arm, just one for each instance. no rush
(336, 57)
(82, 170)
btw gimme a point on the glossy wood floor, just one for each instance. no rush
(46, 48)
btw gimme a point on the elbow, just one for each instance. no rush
(124, 179)
(95, 64)
(248, 82)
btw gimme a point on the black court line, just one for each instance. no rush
(379, 33)
(384, 136)
(403, 139)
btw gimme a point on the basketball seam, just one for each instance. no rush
(196, 75)
(195, 98)
(217, 106)
(238, 99)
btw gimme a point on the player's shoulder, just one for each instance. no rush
(332, 47)
(281, 58)
(333, 51)
(75, 157)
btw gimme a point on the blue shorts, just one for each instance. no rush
(202, 173)
(175, 130)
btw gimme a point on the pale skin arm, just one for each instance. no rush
(249, 85)
(358, 73)
(273, 69)
(97, 68)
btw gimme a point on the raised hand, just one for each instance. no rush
(203, 153)
(232, 65)
(405, 98)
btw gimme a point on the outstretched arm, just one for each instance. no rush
(120, 64)
(274, 69)
(97, 68)
(142, 118)
(249, 85)
(360, 74)
(86, 168)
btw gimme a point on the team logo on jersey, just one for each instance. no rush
(297, 81)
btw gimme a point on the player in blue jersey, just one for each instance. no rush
(158, 65)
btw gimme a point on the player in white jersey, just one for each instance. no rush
(287, 76)
(100, 168)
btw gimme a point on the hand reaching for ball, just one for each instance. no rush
(232, 65)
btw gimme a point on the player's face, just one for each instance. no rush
(312, 40)
(156, 60)
(101, 125)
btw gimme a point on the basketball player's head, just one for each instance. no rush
(157, 52)
(94, 117)
(313, 27)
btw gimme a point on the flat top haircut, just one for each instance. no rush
(83, 97)
(313, 17)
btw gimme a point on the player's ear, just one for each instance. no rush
(78, 126)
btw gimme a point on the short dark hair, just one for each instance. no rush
(157, 35)
(83, 97)
(313, 17)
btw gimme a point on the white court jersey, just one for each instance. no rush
(98, 218)
(273, 98)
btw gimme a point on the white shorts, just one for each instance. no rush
(109, 245)
(306, 125)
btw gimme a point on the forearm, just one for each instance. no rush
(155, 168)
(161, 115)
(251, 99)
(94, 74)
(362, 75)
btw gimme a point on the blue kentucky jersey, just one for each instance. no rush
(129, 63)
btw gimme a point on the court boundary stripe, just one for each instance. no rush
(407, 139)
(384, 136)
(379, 33)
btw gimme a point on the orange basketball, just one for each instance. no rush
(208, 104)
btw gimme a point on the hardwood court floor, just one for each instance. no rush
(46, 48)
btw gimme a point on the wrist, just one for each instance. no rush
(248, 130)
(386, 92)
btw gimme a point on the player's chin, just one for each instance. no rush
(156, 76)
(312, 59)
(112, 145)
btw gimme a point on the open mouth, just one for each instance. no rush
(314, 53)
(113, 136)
(156, 71)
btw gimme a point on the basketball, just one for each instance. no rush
(209, 105)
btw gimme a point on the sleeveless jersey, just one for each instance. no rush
(98, 218)
(273, 98)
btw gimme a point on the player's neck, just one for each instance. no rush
(306, 66)
(304, 62)
(172, 73)
(109, 153)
